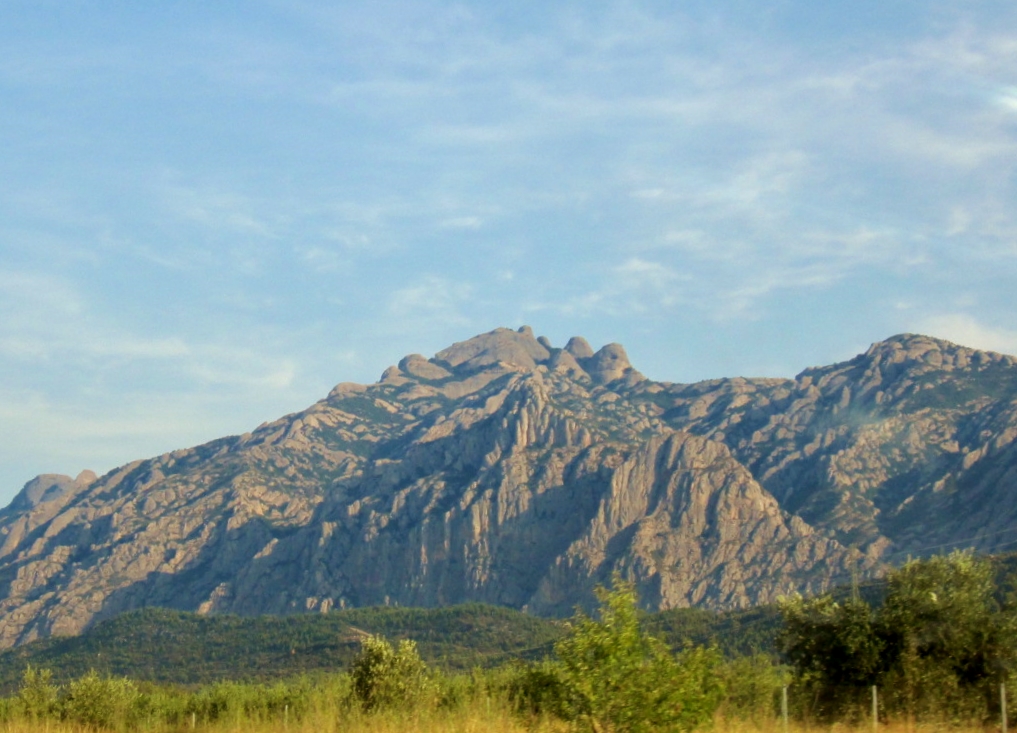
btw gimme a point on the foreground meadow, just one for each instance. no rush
(476, 720)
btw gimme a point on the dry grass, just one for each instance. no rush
(476, 720)
(774, 726)
(479, 718)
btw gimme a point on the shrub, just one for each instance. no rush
(37, 696)
(540, 689)
(752, 687)
(100, 702)
(384, 676)
(610, 675)
(836, 650)
(228, 700)
(938, 646)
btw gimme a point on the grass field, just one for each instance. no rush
(478, 719)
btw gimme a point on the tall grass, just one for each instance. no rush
(476, 715)
(325, 704)
(473, 719)
(462, 703)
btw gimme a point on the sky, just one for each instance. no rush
(211, 213)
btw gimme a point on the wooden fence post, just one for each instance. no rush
(783, 707)
(1002, 707)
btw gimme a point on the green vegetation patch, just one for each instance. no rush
(176, 647)
(734, 633)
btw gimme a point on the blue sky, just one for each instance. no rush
(210, 213)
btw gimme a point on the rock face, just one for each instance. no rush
(509, 471)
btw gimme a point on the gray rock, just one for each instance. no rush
(608, 364)
(579, 348)
(513, 348)
(417, 366)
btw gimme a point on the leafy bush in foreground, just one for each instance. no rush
(939, 646)
(100, 702)
(610, 675)
(38, 697)
(752, 687)
(384, 676)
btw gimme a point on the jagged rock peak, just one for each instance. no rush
(609, 364)
(516, 348)
(519, 350)
(579, 347)
(909, 353)
(50, 487)
(417, 366)
(917, 347)
(505, 348)
(564, 362)
(474, 476)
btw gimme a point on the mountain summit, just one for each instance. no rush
(510, 471)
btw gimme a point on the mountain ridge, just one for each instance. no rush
(505, 470)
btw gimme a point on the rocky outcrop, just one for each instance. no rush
(509, 471)
(884, 451)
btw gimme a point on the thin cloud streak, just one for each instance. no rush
(967, 330)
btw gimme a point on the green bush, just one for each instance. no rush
(752, 687)
(100, 702)
(541, 689)
(456, 691)
(836, 651)
(160, 705)
(238, 701)
(383, 676)
(938, 647)
(610, 675)
(37, 697)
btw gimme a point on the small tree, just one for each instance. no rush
(950, 641)
(939, 644)
(100, 702)
(835, 649)
(621, 679)
(37, 696)
(384, 676)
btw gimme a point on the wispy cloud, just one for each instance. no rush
(217, 210)
(635, 286)
(49, 322)
(966, 330)
(321, 259)
(431, 301)
(462, 222)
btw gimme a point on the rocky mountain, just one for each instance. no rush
(508, 471)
